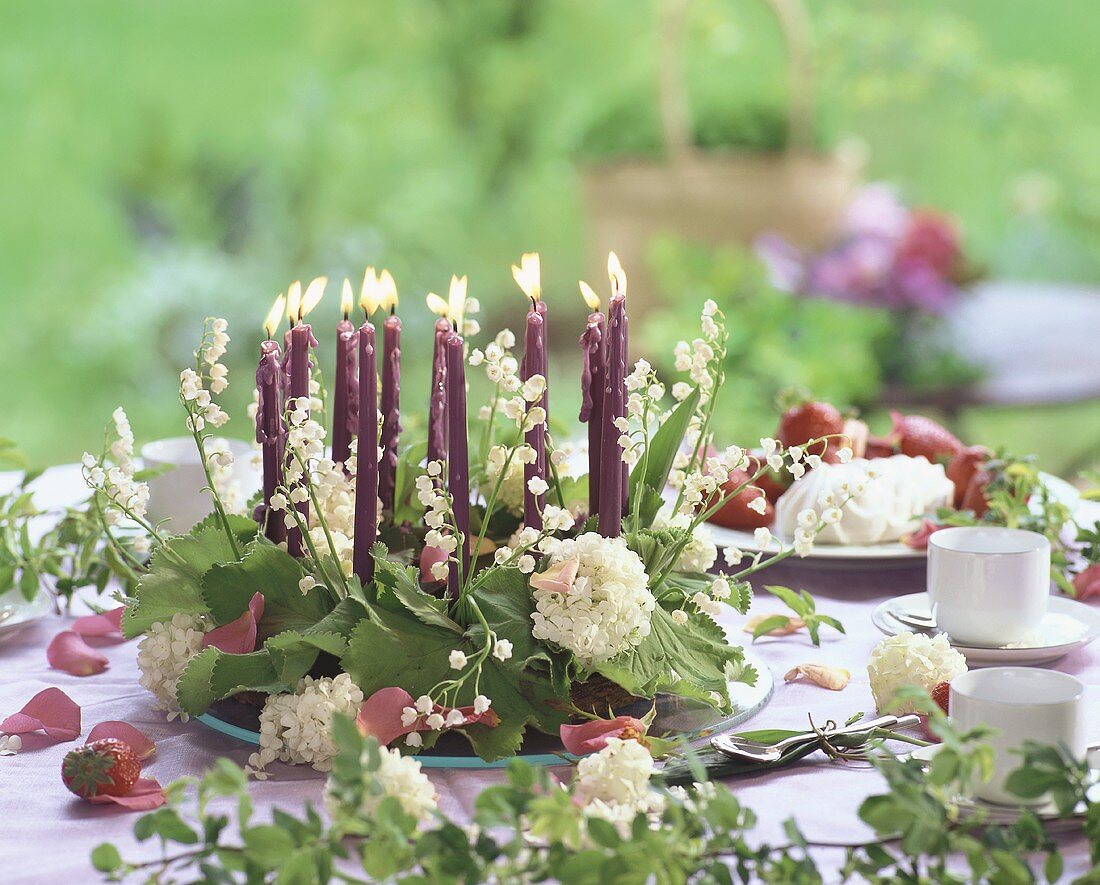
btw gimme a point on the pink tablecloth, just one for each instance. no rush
(48, 833)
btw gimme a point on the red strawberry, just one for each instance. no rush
(735, 513)
(773, 484)
(962, 468)
(878, 447)
(974, 497)
(941, 694)
(107, 767)
(917, 435)
(812, 420)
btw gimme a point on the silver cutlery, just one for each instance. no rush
(755, 751)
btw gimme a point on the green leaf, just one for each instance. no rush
(663, 447)
(692, 660)
(267, 845)
(407, 507)
(766, 626)
(193, 690)
(791, 599)
(173, 584)
(105, 858)
(403, 583)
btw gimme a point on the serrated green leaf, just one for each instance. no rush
(402, 582)
(193, 690)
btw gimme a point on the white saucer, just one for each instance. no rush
(1053, 638)
(23, 614)
(892, 554)
(1006, 814)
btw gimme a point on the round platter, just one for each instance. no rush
(1068, 626)
(17, 615)
(874, 556)
(676, 718)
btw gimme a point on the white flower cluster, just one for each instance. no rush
(201, 409)
(163, 655)
(116, 481)
(700, 553)
(402, 778)
(335, 493)
(430, 492)
(699, 358)
(613, 784)
(608, 608)
(501, 367)
(521, 408)
(215, 343)
(297, 727)
(911, 659)
(510, 494)
(470, 327)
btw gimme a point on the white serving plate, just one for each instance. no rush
(16, 614)
(893, 554)
(1056, 646)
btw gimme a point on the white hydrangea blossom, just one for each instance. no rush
(911, 659)
(608, 608)
(297, 728)
(613, 784)
(400, 777)
(164, 654)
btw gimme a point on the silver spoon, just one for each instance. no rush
(743, 748)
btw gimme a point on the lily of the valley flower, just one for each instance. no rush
(383, 716)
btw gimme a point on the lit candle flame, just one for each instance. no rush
(528, 275)
(274, 316)
(436, 304)
(294, 302)
(312, 296)
(617, 274)
(456, 300)
(347, 298)
(369, 292)
(589, 296)
(389, 291)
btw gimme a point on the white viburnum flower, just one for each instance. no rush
(164, 654)
(613, 784)
(397, 776)
(608, 608)
(911, 659)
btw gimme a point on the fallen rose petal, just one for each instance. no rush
(146, 795)
(238, 637)
(69, 652)
(380, 715)
(832, 678)
(1087, 583)
(104, 624)
(429, 556)
(918, 539)
(52, 711)
(558, 578)
(139, 742)
(591, 736)
(793, 625)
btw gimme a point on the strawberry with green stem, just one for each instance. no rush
(107, 767)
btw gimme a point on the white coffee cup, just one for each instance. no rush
(988, 585)
(1022, 704)
(177, 496)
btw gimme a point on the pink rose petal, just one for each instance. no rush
(429, 556)
(105, 624)
(591, 737)
(558, 578)
(139, 742)
(1087, 583)
(69, 652)
(146, 795)
(918, 539)
(238, 637)
(52, 711)
(380, 715)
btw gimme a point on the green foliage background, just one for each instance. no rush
(164, 161)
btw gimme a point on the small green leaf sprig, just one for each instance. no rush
(804, 608)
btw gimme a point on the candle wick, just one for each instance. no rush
(393, 309)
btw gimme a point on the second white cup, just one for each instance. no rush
(1021, 704)
(988, 585)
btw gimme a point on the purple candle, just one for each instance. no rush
(270, 430)
(366, 461)
(343, 419)
(594, 347)
(458, 466)
(613, 480)
(299, 305)
(391, 392)
(437, 404)
(528, 277)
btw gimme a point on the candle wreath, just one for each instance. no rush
(459, 582)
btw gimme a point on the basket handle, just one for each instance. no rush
(672, 100)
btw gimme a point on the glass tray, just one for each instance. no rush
(676, 717)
